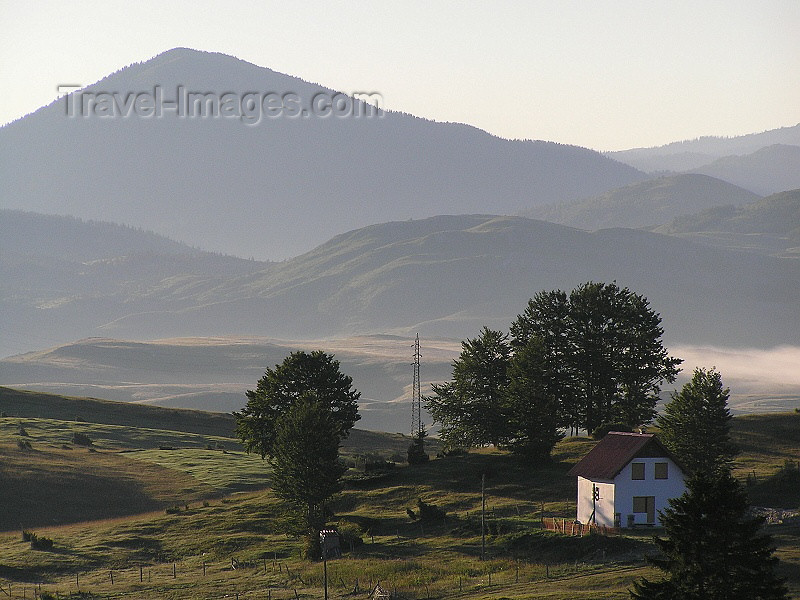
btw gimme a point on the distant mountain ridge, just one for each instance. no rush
(278, 188)
(646, 204)
(771, 225)
(62, 276)
(690, 154)
(69, 237)
(444, 276)
(769, 170)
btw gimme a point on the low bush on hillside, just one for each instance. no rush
(81, 439)
(603, 429)
(546, 546)
(350, 535)
(416, 452)
(176, 510)
(37, 543)
(24, 445)
(429, 512)
(781, 490)
(455, 451)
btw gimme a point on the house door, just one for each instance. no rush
(645, 504)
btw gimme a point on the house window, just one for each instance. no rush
(662, 471)
(637, 471)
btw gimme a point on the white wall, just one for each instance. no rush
(604, 507)
(662, 489)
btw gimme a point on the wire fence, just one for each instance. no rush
(273, 580)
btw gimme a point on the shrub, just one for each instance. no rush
(602, 430)
(173, 510)
(455, 451)
(370, 463)
(81, 439)
(429, 512)
(24, 445)
(40, 543)
(349, 535)
(416, 452)
(23, 432)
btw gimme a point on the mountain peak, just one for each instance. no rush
(236, 158)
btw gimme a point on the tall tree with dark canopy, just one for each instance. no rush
(532, 407)
(300, 374)
(696, 424)
(471, 407)
(306, 470)
(546, 317)
(712, 549)
(603, 351)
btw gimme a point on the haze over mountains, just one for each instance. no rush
(446, 275)
(692, 154)
(283, 186)
(771, 225)
(387, 226)
(647, 203)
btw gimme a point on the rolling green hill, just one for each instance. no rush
(208, 530)
(447, 276)
(37, 405)
(442, 277)
(142, 458)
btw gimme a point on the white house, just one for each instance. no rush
(626, 480)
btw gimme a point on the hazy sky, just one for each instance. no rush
(607, 75)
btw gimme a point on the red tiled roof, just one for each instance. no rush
(614, 451)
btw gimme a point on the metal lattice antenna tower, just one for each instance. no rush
(416, 396)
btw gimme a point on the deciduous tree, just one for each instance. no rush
(300, 374)
(305, 461)
(603, 352)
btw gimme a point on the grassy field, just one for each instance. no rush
(169, 514)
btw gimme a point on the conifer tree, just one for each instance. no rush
(470, 408)
(696, 424)
(712, 550)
